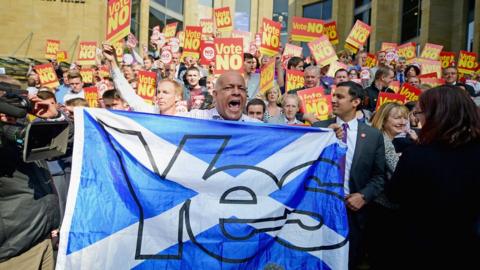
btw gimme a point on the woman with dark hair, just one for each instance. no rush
(295, 63)
(437, 185)
(411, 71)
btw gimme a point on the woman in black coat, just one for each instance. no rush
(437, 184)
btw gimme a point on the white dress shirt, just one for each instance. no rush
(213, 114)
(351, 142)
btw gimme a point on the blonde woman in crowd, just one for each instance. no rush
(391, 119)
(272, 97)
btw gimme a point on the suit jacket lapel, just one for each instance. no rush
(358, 145)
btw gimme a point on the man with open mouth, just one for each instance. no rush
(230, 96)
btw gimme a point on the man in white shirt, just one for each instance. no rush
(230, 94)
(76, 86)
(364, 164)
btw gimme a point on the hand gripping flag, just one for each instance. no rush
(165, 192)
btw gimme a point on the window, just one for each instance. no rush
(359, 3)
(242, 15)
(175, 5)
(411, 19)
(135, 24)
(280, 14)
(205, 8)
(363, 11)
(161, 2)
(163, 12)
(470, 24)
(321, 10)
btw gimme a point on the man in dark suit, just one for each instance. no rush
(364, 164)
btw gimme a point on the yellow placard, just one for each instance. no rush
(267, 75)
(323, 51)
(431, 51)
(407, 50)
(118, 19)
(359, 34)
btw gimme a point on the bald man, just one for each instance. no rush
(230, 96)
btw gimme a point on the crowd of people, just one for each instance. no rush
(410, 182)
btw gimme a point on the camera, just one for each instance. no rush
(37, 140)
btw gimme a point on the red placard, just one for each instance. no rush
(118, 19)
(228, 55)
(91, 96)
(47, 75)
(323, 51)
(428, 75)
(86, 53)
(330, 30)
(295, 80)
(395, 86)
(385, 97)
(223, 19)
(447, 59)
(270, 37)
(51, 48)
(410, 92)
(305, 29)
(358, 35)
(191, 44)
(467, 62)
(431, 51)
(371, 60)
(316, 102)
(207, 52)
(146, 85)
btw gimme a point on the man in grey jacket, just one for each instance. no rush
(364, 164)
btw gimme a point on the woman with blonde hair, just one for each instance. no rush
(392, 119)
(272, 97)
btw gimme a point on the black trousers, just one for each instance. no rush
(383, 237)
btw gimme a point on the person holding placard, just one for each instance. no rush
(252, 79)
(169, 92)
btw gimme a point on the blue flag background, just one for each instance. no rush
(162, 192)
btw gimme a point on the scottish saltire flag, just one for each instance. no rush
(163, 192)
